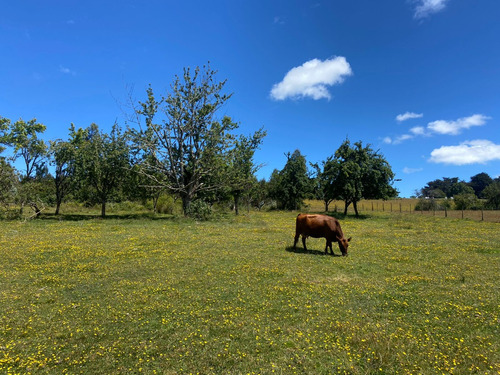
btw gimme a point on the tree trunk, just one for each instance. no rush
(236, 196)
(355, 205)
(326, 205)
(347, 203)
(58, 205)
(186, 202)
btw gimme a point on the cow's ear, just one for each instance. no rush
(349, 239)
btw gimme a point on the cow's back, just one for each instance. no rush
(317, 226)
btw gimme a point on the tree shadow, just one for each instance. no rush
(300, 250)
(85, 217)
(342, 216)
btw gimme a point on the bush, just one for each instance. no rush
(200, 210)
(466, 201)
(427, 205)
(166, 205)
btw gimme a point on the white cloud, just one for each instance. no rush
(425, 8)
(408, 115)
(418, 130)
(407, 170)
(478, 151)
(455, 127)
(312, 79)
(65, 70)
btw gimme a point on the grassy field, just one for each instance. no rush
(416, 295)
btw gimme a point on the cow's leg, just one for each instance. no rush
(304, 242)
(295, 240)
(328, 245)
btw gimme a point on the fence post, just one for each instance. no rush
(372, 206)
(400, 208)
(482, 215)
(445, 212)
(462, 214)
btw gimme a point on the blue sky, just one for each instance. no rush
(419, 80)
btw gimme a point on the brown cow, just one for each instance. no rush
(320, 226)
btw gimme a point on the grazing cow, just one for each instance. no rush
(320, 226)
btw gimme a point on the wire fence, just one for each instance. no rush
(407, 206)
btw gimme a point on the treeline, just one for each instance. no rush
(174, 144)
(481, 191)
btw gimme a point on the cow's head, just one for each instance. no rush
(343, 244)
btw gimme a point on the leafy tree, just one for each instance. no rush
(101, 162)
(492, 195)
(8, 182)
(63, 159)
(241, 168)
(325, 182)
(357, 173)
(479, 182)
(22, 136)
(290, 186)
(466, 199)
(182, 134)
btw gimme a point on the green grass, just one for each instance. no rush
(417, 295)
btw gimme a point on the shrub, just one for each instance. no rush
(200, 210)
(166, 205)
(466, 201)
(427, 205)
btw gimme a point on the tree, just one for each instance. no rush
(23, 138)
(479, 182)
(182, 134)
(466, 199)
(101, 162)
(290, 186)
(241, 168)
(359, 173)
(8, 182)
(492, 195)
(63, 159)
(325, 182)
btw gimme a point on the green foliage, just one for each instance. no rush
(63, 156)
(166, 204)
(101, 163)
(290, 186)
(241, 168)
(200, 210)
(355, 173)
(467, 201)
(22, 136)
(479, 182)
(492, 195)
(8, 182)
(185, 142)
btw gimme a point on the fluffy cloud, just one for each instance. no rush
(478, 151)
(408, 115)
(425, 8)
(312, 79)
(455, 127)
(407, 170)
(418, 130)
